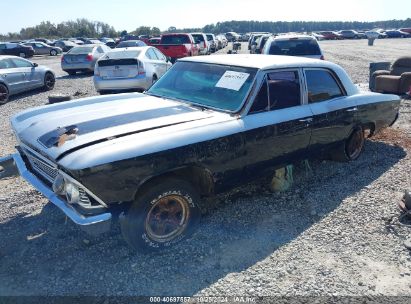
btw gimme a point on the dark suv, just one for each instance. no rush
(16, 49)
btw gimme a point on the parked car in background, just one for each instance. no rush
(130, 43)
(232, 36)
(46, 41)
(330, 35)
(349, 34)
(317, 36)
(134, 68)
(92, 41)
(405, 29)
(150, 158)
(202, 42)
(397, 34)
(41, 48)
(293, 45)
(19, 75)
(260, 43)
(375, 34)
(178, 45)
(154, 41)
(82, 58)
(16, 49)
(212, 41)
(253, 42)
(65, 45)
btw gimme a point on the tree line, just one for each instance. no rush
(86, 28)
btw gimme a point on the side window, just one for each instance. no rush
(321, 86)
(284, 89)
(260, 103)
(2, 46)
(151, 55)
(21, 63)
(39, 45)
(159, 54)
(100, 50)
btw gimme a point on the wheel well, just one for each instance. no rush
(370, 127)
(198, 177)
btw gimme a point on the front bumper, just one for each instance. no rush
(13, 165)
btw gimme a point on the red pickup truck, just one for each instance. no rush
(178, 46)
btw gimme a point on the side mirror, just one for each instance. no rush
(35, 65)
(168, 59)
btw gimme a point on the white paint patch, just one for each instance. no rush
(232, 80)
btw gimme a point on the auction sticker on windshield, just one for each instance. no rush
(232, 80)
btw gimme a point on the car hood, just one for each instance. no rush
(58, 130)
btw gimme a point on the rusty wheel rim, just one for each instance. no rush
(167, 218)
(355, 144)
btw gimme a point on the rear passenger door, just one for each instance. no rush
(278, 122)
(11, 75)
(31, 79)
(333, 112)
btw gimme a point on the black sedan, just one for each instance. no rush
(16, 49)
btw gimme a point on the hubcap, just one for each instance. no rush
(49, 81)
(355, 144)
(167, 218)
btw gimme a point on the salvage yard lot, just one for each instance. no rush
(334, 233)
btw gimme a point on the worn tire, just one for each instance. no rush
(150, 213)
(49, 81)
(59, 98)
(4, 94)
(352, 147)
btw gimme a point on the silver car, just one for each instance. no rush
(19, 75)
(83, 58)
(135, 68)
(41, 48)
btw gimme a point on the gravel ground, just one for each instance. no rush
(335, 233)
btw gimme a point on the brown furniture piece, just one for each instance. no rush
(397, 80)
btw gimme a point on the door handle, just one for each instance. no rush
(306, 120)
(352, 110)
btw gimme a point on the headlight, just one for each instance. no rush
(58, 185)
(72, 193)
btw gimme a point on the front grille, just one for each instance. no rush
(41, 167)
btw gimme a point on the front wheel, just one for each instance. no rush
(49, 81)
(4, 94)
(161, 216)
(352, 146)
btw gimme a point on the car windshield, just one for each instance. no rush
(296, 47)
(81, 50)
(210, 85)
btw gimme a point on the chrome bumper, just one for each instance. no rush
(14, 165)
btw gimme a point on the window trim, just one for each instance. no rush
(333, 75)
(301, 79)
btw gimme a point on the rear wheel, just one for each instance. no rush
(53, 53)
(161, 216)
(352, 146)
(4, 94)
(154, 80)
(49, 81)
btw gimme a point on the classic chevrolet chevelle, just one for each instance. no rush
(208, 124)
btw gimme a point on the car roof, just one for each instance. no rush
(10, 56)
(260, 61)
(293, 36)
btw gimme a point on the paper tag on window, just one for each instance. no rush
(232, 80)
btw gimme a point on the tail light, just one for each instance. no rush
(140, 68)
(62, 58)
(89, 57)
(205, 45)
(322, 57)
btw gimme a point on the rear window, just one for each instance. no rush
(175, 39)
(81, 50)
(295, 47)
(123, 54)
(111, 62)
(198, 37)
(124, 44)
(210, 37)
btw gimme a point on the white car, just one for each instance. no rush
(293, 45)
(134, 68)
(202, 42)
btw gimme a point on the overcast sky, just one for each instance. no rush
(129, 14)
